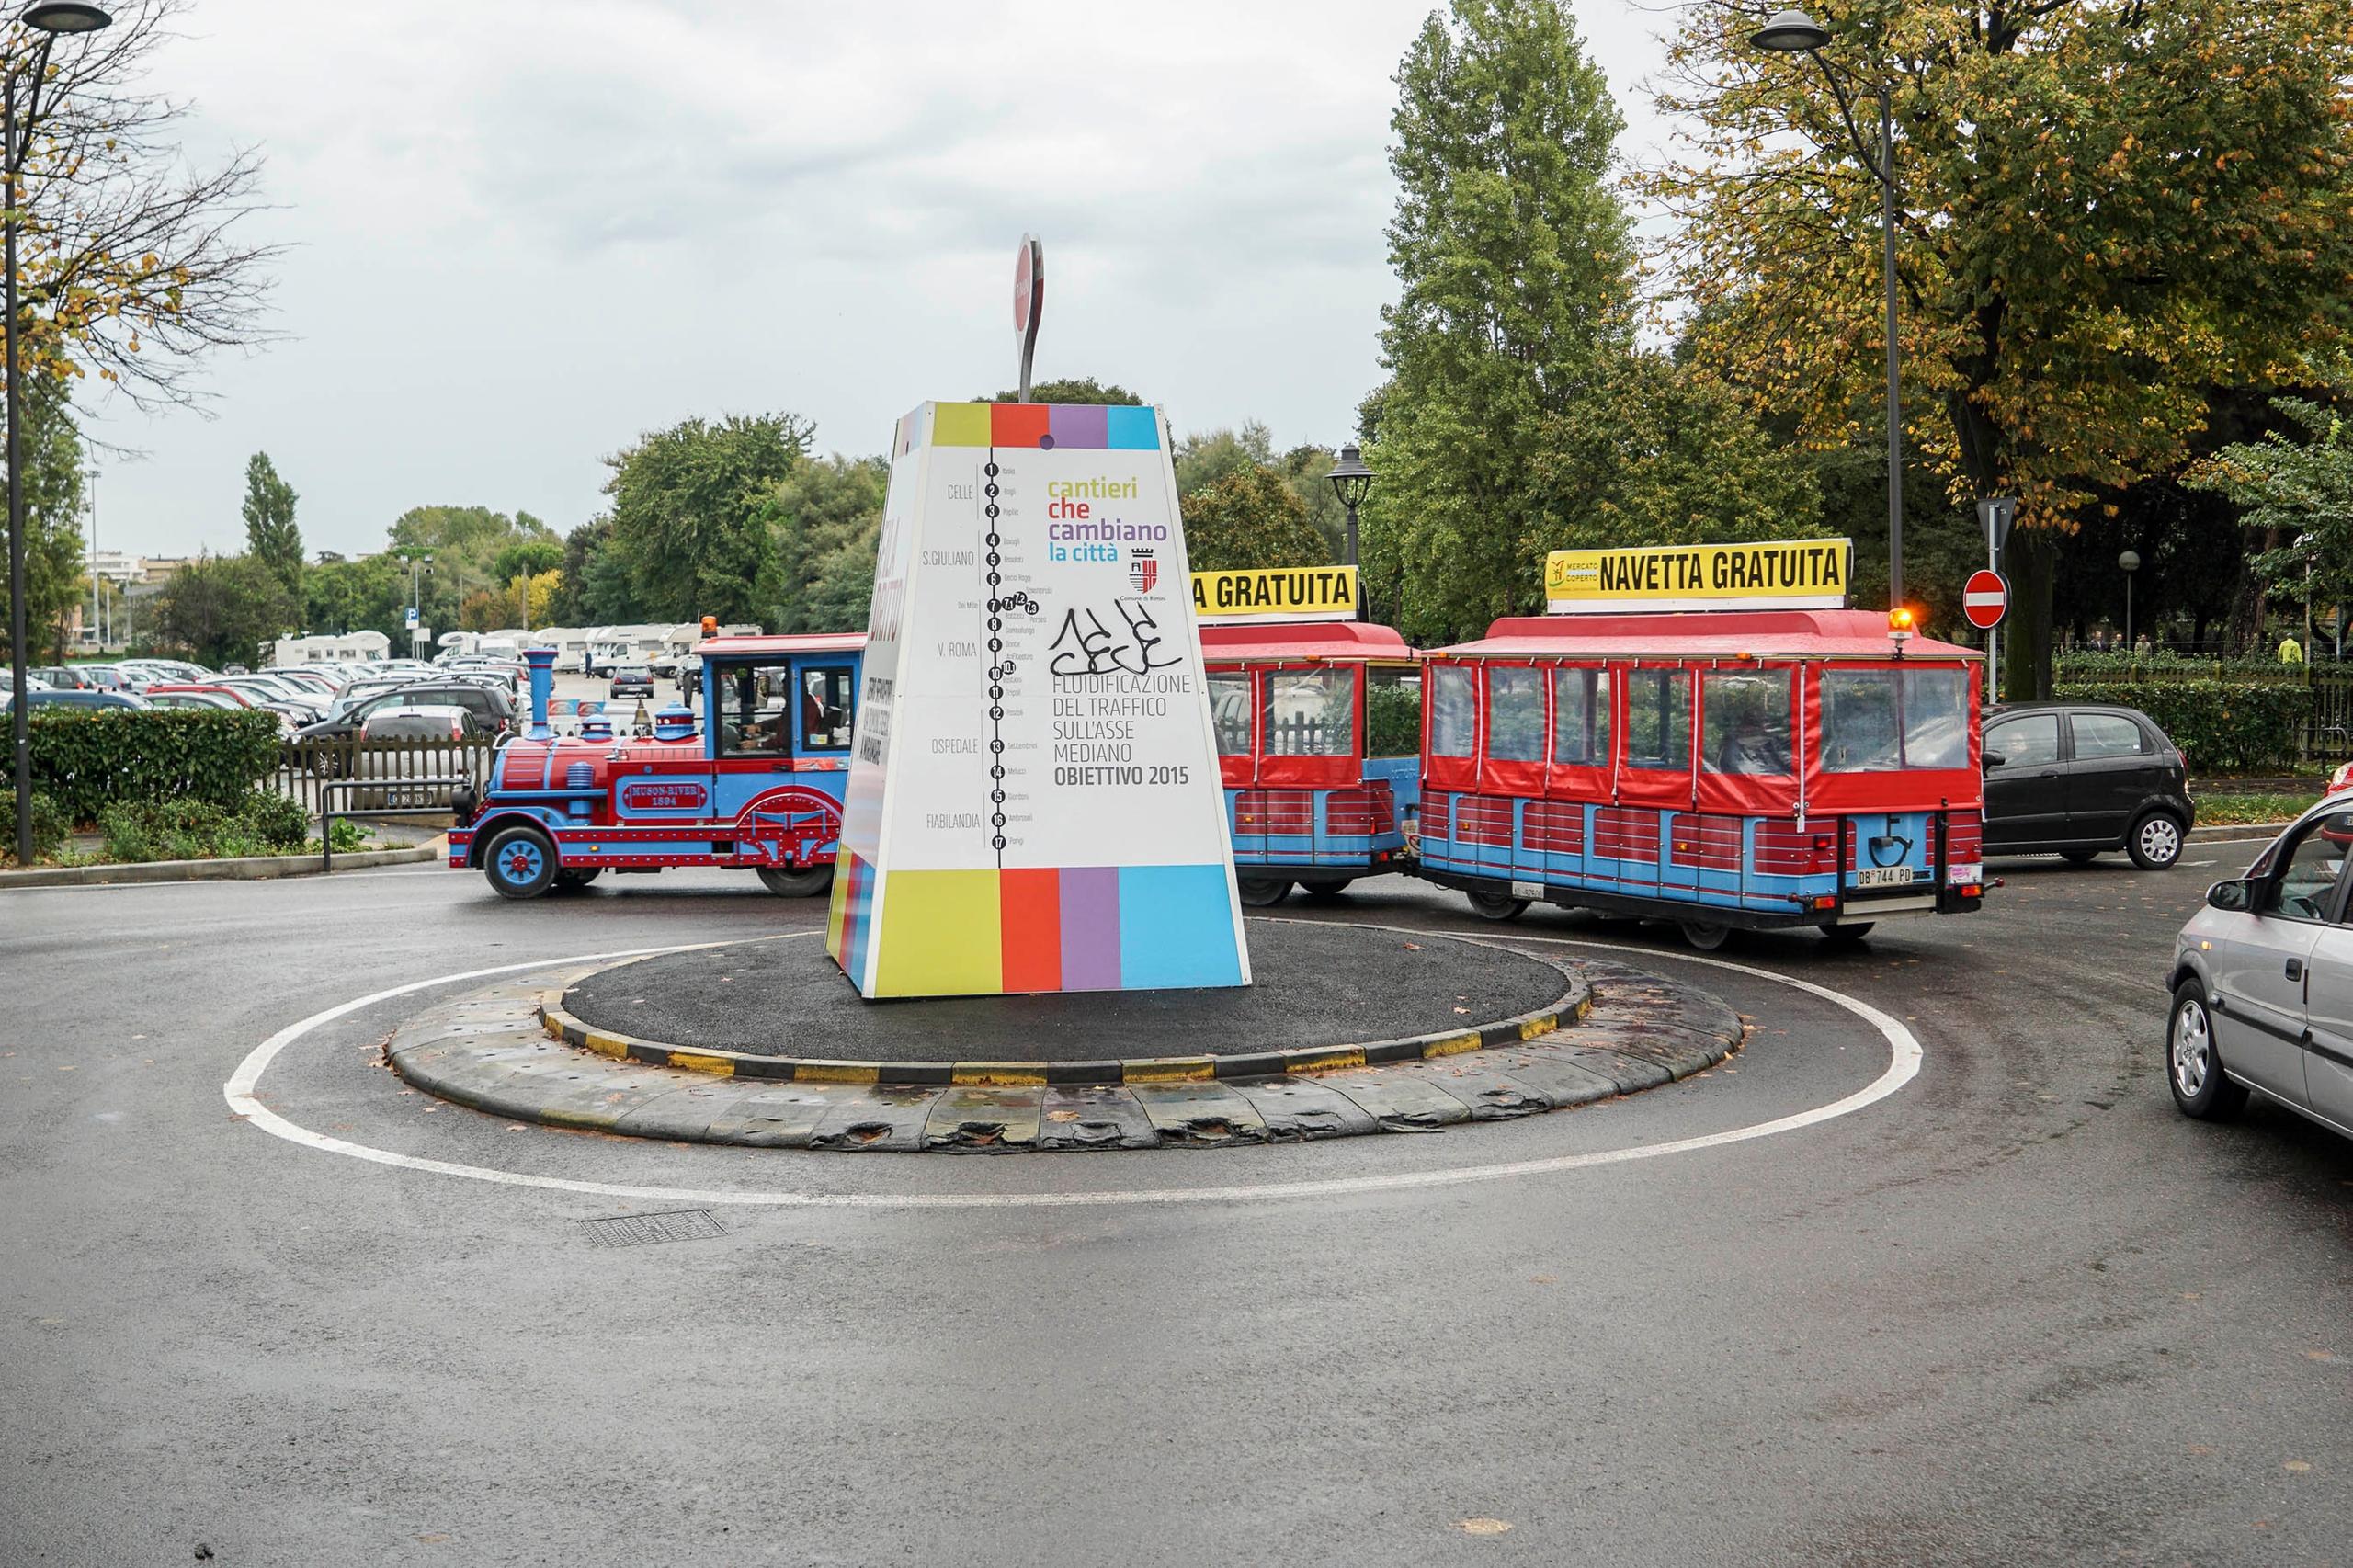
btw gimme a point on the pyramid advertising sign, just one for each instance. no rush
(1034, 801)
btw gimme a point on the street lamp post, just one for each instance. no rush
(2131, 562)
(415, 606)
(47, 18)
(1352, 482)
(1794, 32)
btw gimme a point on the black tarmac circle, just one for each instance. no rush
(1315, 984)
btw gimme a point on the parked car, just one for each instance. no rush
(2263, 981)
(631, 680)
(32, 681)
(65, 677)
(194, 697)
(101, 701)
(420, 762)
(493, 709)
(229, 696)
(2079, 779)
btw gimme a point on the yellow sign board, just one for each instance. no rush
(1803, 574)
(1282, 592)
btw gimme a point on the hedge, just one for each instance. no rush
(2221, 726)
(86, 761)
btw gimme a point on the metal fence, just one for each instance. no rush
(385, 773)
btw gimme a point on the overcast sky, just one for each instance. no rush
(524, 232)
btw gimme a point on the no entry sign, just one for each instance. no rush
(1984, 598)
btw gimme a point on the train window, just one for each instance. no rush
(1230, 708)
(1515, 714)
(1393, 712)
(825, 707)
(1580, 717)
(1658, 720)
(753, 719)
(1312, 714)
(1453, 719)
(1744, 721)
(1879, 721)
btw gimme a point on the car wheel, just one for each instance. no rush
(1497, 906)
(2154, 842)
(519, 862)
(1262, 893)
(573, 881)
(1847, 935)
(806, 883)
(2079, 856)
(2193, 1068)
(1323, 891)
(1704, 934)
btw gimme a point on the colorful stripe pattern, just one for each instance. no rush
(1085, 427)
(988, 932)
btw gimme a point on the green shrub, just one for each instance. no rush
(89, 759)
(2221, 726)
(261, 823)
(279, 823)
(2082, 667)
(49, 830)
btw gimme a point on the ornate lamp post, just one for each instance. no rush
(1352, 482)
(1794, 32)
(47, 18)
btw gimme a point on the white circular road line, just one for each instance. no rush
(1903, 1065)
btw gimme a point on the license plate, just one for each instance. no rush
(1528, 889)
(1883, 877)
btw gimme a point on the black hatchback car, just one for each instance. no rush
(2078, 779)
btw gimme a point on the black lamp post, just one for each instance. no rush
(47, 18)
(1794, 32)
(1351, 482)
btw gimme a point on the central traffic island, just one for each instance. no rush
(1348, 1029)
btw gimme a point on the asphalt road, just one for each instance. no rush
(2017, 1311)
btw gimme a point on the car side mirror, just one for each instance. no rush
(1994, 759)
(2237, 895)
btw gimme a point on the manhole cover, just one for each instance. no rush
(643, 1230)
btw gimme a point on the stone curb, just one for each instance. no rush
(245, 867)
(490, 1051)
(2233, 833)
(1572, 1005)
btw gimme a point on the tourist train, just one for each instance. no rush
(1718, 767)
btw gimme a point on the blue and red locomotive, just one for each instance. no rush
(757, 786)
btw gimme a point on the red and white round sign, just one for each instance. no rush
(1025, 285)
(1984, 598)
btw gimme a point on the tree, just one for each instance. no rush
(1249, 518)
(132, 261)
(2108, 209)
(528, 557)
(2297, 487)
(1308, 470)
(594, 588)
(688, 510)
(1072, 389)
(54, 582)
(271, 536)
(1513, 281)
(465, 543)
(222, 609)
(339, 596)
(825, 517)
(1200, 460)
(483, 611)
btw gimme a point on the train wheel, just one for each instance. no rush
(1846, 936)
(573, 881)
(1497, 906)
(519, 862)
(1262, 893)
(1705, 936)
(1319, 891)
(797, 884)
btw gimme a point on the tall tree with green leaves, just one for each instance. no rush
(826, 520)
(689, 513)
(222, 609)
(1073, 390)
(1514, 275)
(271, 536)
(2294, 488)
(54, 579)
(2106, 210)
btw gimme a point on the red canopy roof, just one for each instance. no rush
(1704, 634)
(797, 642)
(1354, 642)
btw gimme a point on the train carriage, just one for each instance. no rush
(1751, 768)
(1318, 724)
(757, 786)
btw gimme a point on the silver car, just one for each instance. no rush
(2263, 981)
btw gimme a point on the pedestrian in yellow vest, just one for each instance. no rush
(2291, 652)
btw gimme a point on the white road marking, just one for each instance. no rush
(1903, 1065)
